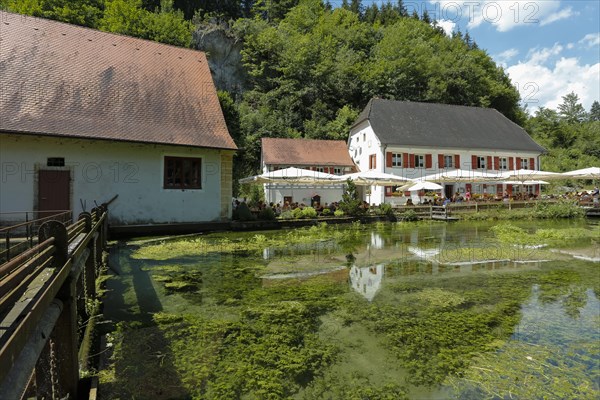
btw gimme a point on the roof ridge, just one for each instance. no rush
(437, 104)
(304, 139)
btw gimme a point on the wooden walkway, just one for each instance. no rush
(47, 298)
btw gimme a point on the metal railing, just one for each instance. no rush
(21, 234)
(45, 297)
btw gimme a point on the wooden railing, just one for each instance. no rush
(44, 292)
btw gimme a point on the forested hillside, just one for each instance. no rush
(570, 134)
(305, 69)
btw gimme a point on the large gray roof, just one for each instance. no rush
(406, 123)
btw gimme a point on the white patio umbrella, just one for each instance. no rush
(526, 182)
(375, 178)
(462, 175)
(292, 176)
(426, 185)
(523, 175)
(585, 173)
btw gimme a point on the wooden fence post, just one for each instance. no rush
(64, 335)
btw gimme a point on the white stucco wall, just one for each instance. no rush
(102, 169)
(302, 194)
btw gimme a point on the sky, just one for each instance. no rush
(548, 48)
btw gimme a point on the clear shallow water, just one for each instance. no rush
(421, 311)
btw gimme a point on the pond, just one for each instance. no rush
(383, 311)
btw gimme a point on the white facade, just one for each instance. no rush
(101, 169)
(278, 193)
(369, 153)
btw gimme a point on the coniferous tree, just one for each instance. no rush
(594, 114)
(571, 109)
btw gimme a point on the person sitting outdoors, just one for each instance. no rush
(318, 208)
(409, 202)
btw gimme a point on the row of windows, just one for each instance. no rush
(328, 170)
(453, 161)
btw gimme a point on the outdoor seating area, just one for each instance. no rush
(431, 190)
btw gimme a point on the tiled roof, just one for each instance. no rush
(406, 123)
(305, 152)
(64, 80)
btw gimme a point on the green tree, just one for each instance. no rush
(571, 109)
(594, 114)
(351, 204)
(128, 17)
(78, 12)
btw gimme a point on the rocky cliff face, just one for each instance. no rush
(223, 52)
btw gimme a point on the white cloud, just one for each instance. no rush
(447, 26)
(546, 76)
(506, 56)
(557, 16)
(591, 39)
(541, 56)
(504, 15)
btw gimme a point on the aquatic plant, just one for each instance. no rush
(251, 339)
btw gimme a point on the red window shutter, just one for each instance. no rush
(518, 161)
(509, 189)
(441, 161)
(411, 161)
(468, 187)
(374, 161)
(405, 160)
(496, 163)
(532, 163)
(489, 162)
(511, 163)
(388, 159)
(499, 189)
(427, 160)
(473, 162)
(457, 161)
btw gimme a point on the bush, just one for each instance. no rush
(286, 215)
(338, 213)
(563, 209)
(309, 212)
(243, 213)
(326, 212)
(410, 215)
(297, 213)
(267, 214)
(385, 209)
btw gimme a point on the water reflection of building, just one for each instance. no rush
(377, 241)
(367, 280)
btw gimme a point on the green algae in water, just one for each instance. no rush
(427, 333)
